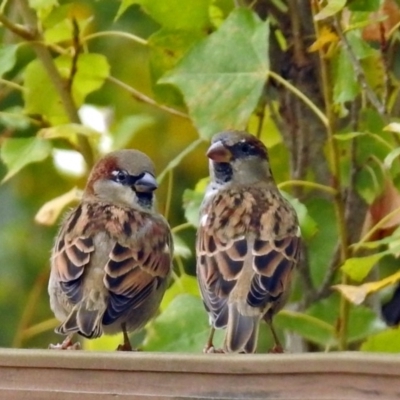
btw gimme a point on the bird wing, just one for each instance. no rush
(136, 269)
(140, 258)
(223, 246)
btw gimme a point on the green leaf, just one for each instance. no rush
(40, 96)
(222, 77)
(17, 153)
(348, 136)
(166, 48)
(364, 5)
(388, 161)
(307, 326)
(183, 327)
(42, 4)
(192, 200)
(357, 268)
(69, 132)
(185, 284)
(14, 118)
(387, 341)
(93, 69)
(332, 7)
(177, 14)
(345, 86)
(308, 225)
(8, 57)
(181, 249)
(362, 323)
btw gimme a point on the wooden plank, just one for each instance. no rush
(49, 374)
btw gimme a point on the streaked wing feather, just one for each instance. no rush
(134, 272)
(273, 263)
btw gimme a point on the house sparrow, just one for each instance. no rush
(112, 257)
(248, 242)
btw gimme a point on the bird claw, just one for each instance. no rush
(124, 347)
(277, 349)
(66, 345)
(210, 349)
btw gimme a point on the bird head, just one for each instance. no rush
(238, 156)
(125, 178)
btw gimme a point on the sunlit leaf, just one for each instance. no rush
(69, 132)
(388, 161)
(50, 211)
(191, 203)
(307, 223)
(325, 37)
(357, 268)
(184, 284)
(357, 294)
(40, 4)
(181, 249)
(40, 95)
(8, 57)
(392, 127)
(348, 136)
(332, 7)
(17, 153)
(222, 77)
(14, 118)
(387, 341)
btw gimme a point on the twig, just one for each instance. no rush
(44, 56)
(358, 70)
(338, 203)
(76, 51)
(301, 96)
(125, 35)
(145, 99)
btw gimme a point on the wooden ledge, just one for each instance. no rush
(50, 374)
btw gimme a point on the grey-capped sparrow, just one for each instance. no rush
(248, 242)
(112, 256)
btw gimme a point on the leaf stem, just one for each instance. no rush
(145, 99)
(311, 185)
(301, 96)
(181, 227)
(125, 35)
(338, 203)
(43, 54)
(175, 162)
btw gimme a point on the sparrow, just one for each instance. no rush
(248, 242)
(112, 256)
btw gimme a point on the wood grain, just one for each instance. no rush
(50, 374)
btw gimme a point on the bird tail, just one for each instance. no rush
(87, 323)
(241, 332)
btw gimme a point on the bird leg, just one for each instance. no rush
(127, 344)
(67, 344)
(209, 347)
(277, 346)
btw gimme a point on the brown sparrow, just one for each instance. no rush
(248, 242)
(112, 256)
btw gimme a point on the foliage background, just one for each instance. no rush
(318, 81)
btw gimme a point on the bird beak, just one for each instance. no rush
(219, 153)
(146, 183)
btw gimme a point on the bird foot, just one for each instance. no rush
(125, 347)
(277, 349)
(210, 349)
(66, 345)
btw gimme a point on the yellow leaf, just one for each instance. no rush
(357, 294)
(49, 212)
(326, 37)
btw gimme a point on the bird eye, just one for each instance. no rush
(120, 176)
(245, 147)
